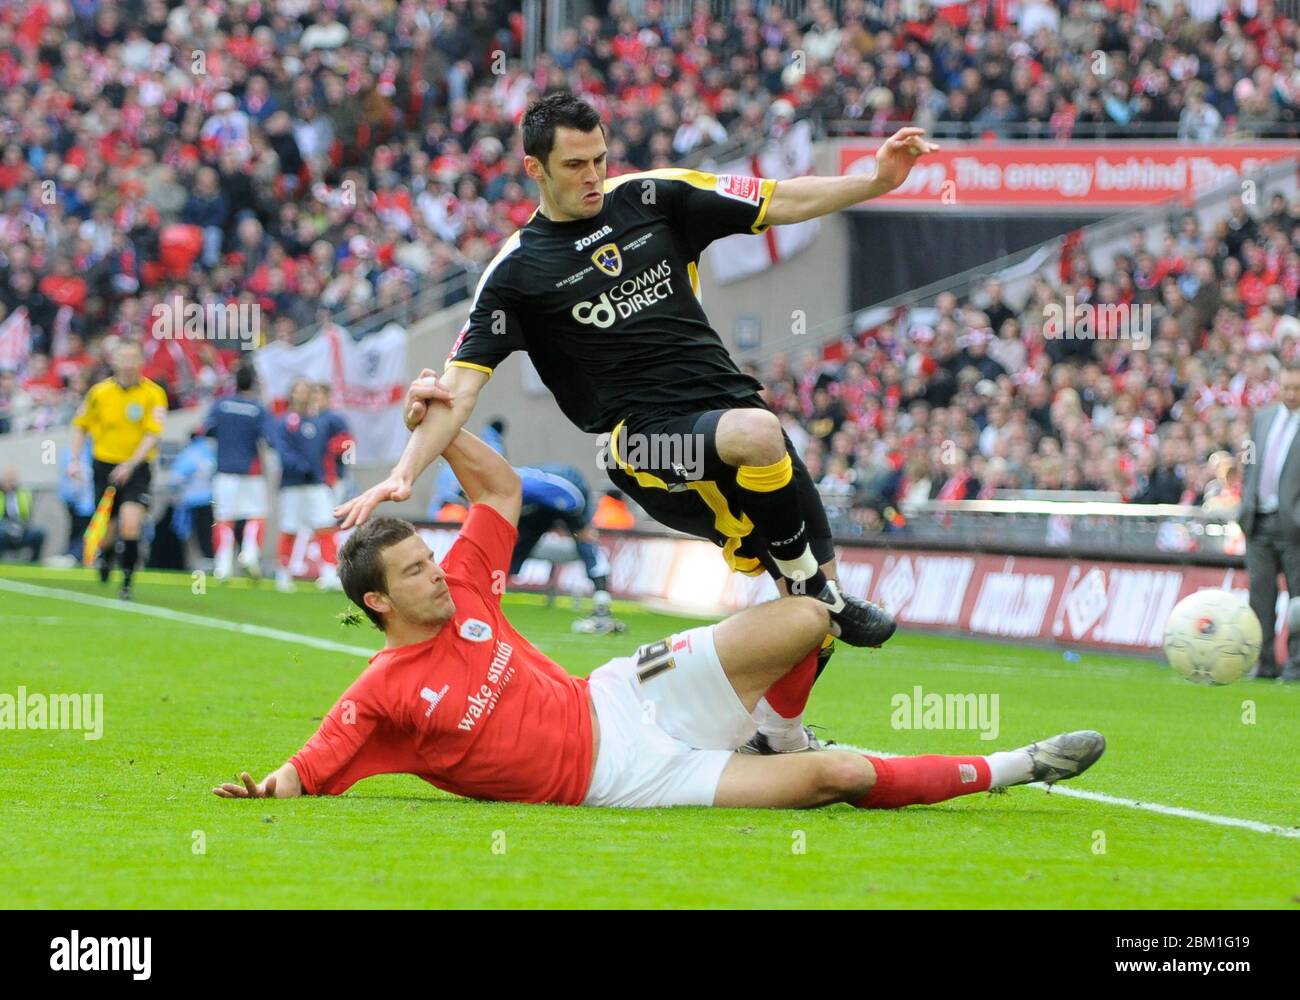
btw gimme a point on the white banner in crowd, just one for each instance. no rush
(737, 257)
(368, 378)
(15, 340)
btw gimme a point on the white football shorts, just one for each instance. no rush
(306, 508)
(238, 498)
(669, 723)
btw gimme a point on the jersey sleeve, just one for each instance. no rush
(338, 755)
(85, 417)
(494, 329)
(156, 411)
(707, 207)
(481, 553)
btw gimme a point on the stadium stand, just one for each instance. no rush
(324, 161)
(971, 395)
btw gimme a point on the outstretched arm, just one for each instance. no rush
(801, 198)
(485, 476)
(453, 399)
(279, 784)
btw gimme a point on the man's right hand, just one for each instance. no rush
(74, 469)
(249, 790)
(421, 393)
(396, 487)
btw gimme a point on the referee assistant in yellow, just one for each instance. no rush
(124, 417)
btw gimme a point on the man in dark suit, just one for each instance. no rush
(1270, 517)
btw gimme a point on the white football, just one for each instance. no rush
(1212, 637)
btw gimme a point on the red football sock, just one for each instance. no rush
(223, 536)
(925, 780)
(789, 695)
(328, 552)
(286, 549)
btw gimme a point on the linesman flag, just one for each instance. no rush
(98, 527)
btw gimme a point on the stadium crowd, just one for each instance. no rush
(960, 400)
(322, 159)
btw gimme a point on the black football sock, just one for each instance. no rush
(769, 495)
(130, 552)
(824, 655)
(596, 564)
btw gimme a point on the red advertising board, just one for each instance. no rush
(1078, 603)
(1092, 175)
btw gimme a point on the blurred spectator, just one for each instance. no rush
(78, 496)
(189, 478)
(17, 533)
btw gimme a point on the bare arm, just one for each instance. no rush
(456, 395)
(485, 476)
(77, 445)
(441, 424)
(279, 784)
(801, 198)
(129, 466)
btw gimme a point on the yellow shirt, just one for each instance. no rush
(117, 419)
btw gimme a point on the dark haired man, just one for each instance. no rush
(240, 423)
(458, 698)
(601, 288)
(1269, 518)
(123, 416)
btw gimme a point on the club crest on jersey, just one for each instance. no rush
(475, 630)
(609, 260)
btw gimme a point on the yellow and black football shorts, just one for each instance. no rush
(669, 464)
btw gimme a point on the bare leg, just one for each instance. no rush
(759, 645)
(750, 437)
(131, 518)
(794, 781)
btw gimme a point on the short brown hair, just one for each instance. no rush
(559, 109)
(361, 562)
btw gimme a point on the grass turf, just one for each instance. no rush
(119, 822)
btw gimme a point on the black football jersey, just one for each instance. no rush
(608, 308)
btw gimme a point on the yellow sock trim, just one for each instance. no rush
(765, 478)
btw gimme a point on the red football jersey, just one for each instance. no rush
(476, 710)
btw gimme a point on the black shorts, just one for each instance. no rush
(669, 464)
(536, 520)
(134, 490)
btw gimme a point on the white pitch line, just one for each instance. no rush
(337, 647)
(168, 614)
(1114, 800)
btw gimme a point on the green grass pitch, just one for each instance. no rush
(129, 820)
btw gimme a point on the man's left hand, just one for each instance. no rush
(895, 157)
